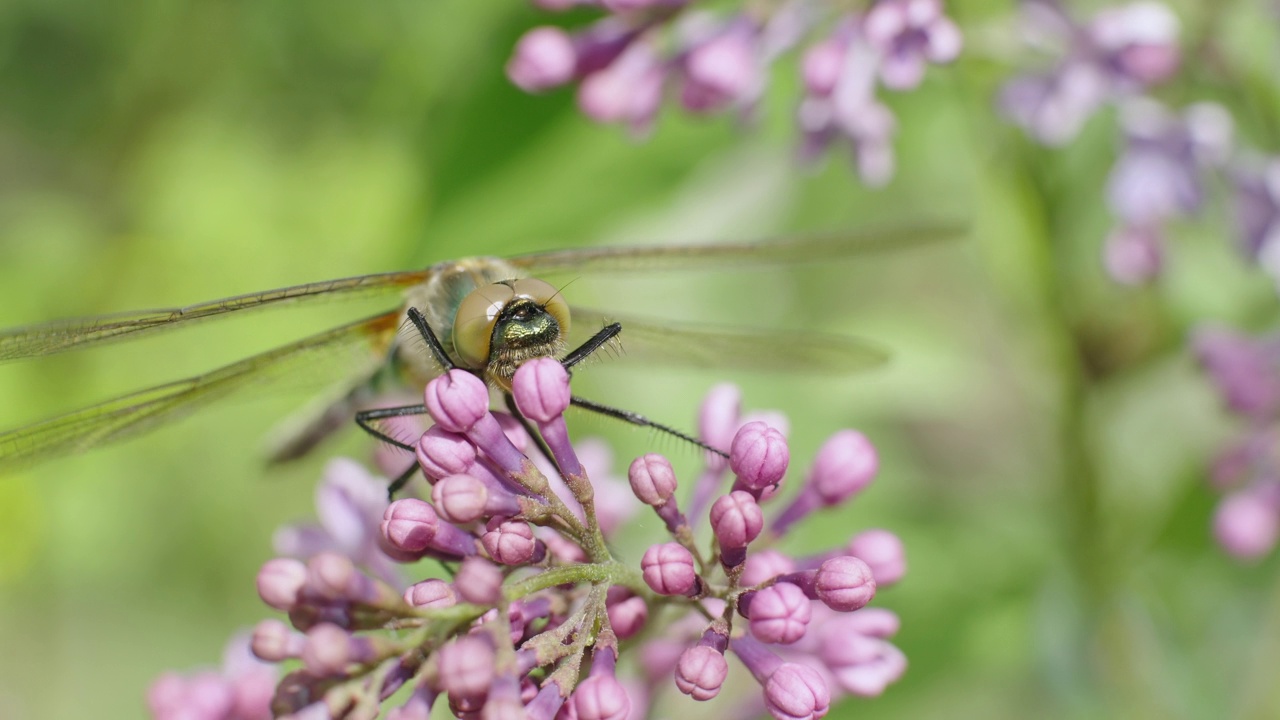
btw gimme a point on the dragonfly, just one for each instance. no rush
(477, 314)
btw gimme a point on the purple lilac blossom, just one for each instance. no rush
(643, 51)
(1160, 176)
(1245, 370)
(1120, 52)
(538, 587)
(1256, 182)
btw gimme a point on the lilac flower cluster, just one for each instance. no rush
(1117, 58)
(1246, 371)
(537, 617)
(626, 63)
(1120, 52)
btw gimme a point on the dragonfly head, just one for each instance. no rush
(500, 326)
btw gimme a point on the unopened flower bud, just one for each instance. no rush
(479, 581)
(510, 542)
(652, 479)
(779, 613)
(845, 583)
(701, 672)
(759, 456)
(431, 593)
(882, 551)
(279, 581)
(668, 569)
(544, 58)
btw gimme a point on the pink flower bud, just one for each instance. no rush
(736, 520)
(442, 453)
(601, 696)
(279, 581)
(759, 456)
(779, 613)
(668, 569)
(627, 613)
(273, 641)
(431, 593)
(765, 565)
(1247, 524)
(796, 692)
(466, 668)
(509, 542)
(845, 464)
(327, 650)
(461, 498)
(652, 479)
(479, 581)
(628, 90)
(544, 58)
(722, 70)
(701, 672)
(883, 552)
(845, 583)
(410, 524)
(207, 694)
(335, 577)
(822, 65)
(457, 400)
(541, 389)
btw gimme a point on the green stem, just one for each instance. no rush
(610, 572)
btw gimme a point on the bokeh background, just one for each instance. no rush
(1044, 435)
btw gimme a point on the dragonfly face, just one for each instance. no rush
(489, 319)
(490, 315)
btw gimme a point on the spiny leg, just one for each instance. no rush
(364, 418)
(642, 421)
(595, 342)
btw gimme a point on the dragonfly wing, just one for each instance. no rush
(785, 250)
(63, 335)
(729, 348)
(356, 347)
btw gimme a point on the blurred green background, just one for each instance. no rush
(1043, 433)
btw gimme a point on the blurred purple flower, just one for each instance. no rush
(349, 505)
(1121, 51)
(628, 61)
(909, 34)
(1257, 210)
(1246, 371)
(840, 102)
(1160, 176)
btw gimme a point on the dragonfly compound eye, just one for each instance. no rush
(480, 310)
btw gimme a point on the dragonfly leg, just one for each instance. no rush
(364, 418)
(594, 343)
(401, 480)
(642, 421)
(433, 342)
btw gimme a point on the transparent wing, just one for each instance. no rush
(795, 249)
(62, 335)
(352, 348)
(719, 347)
